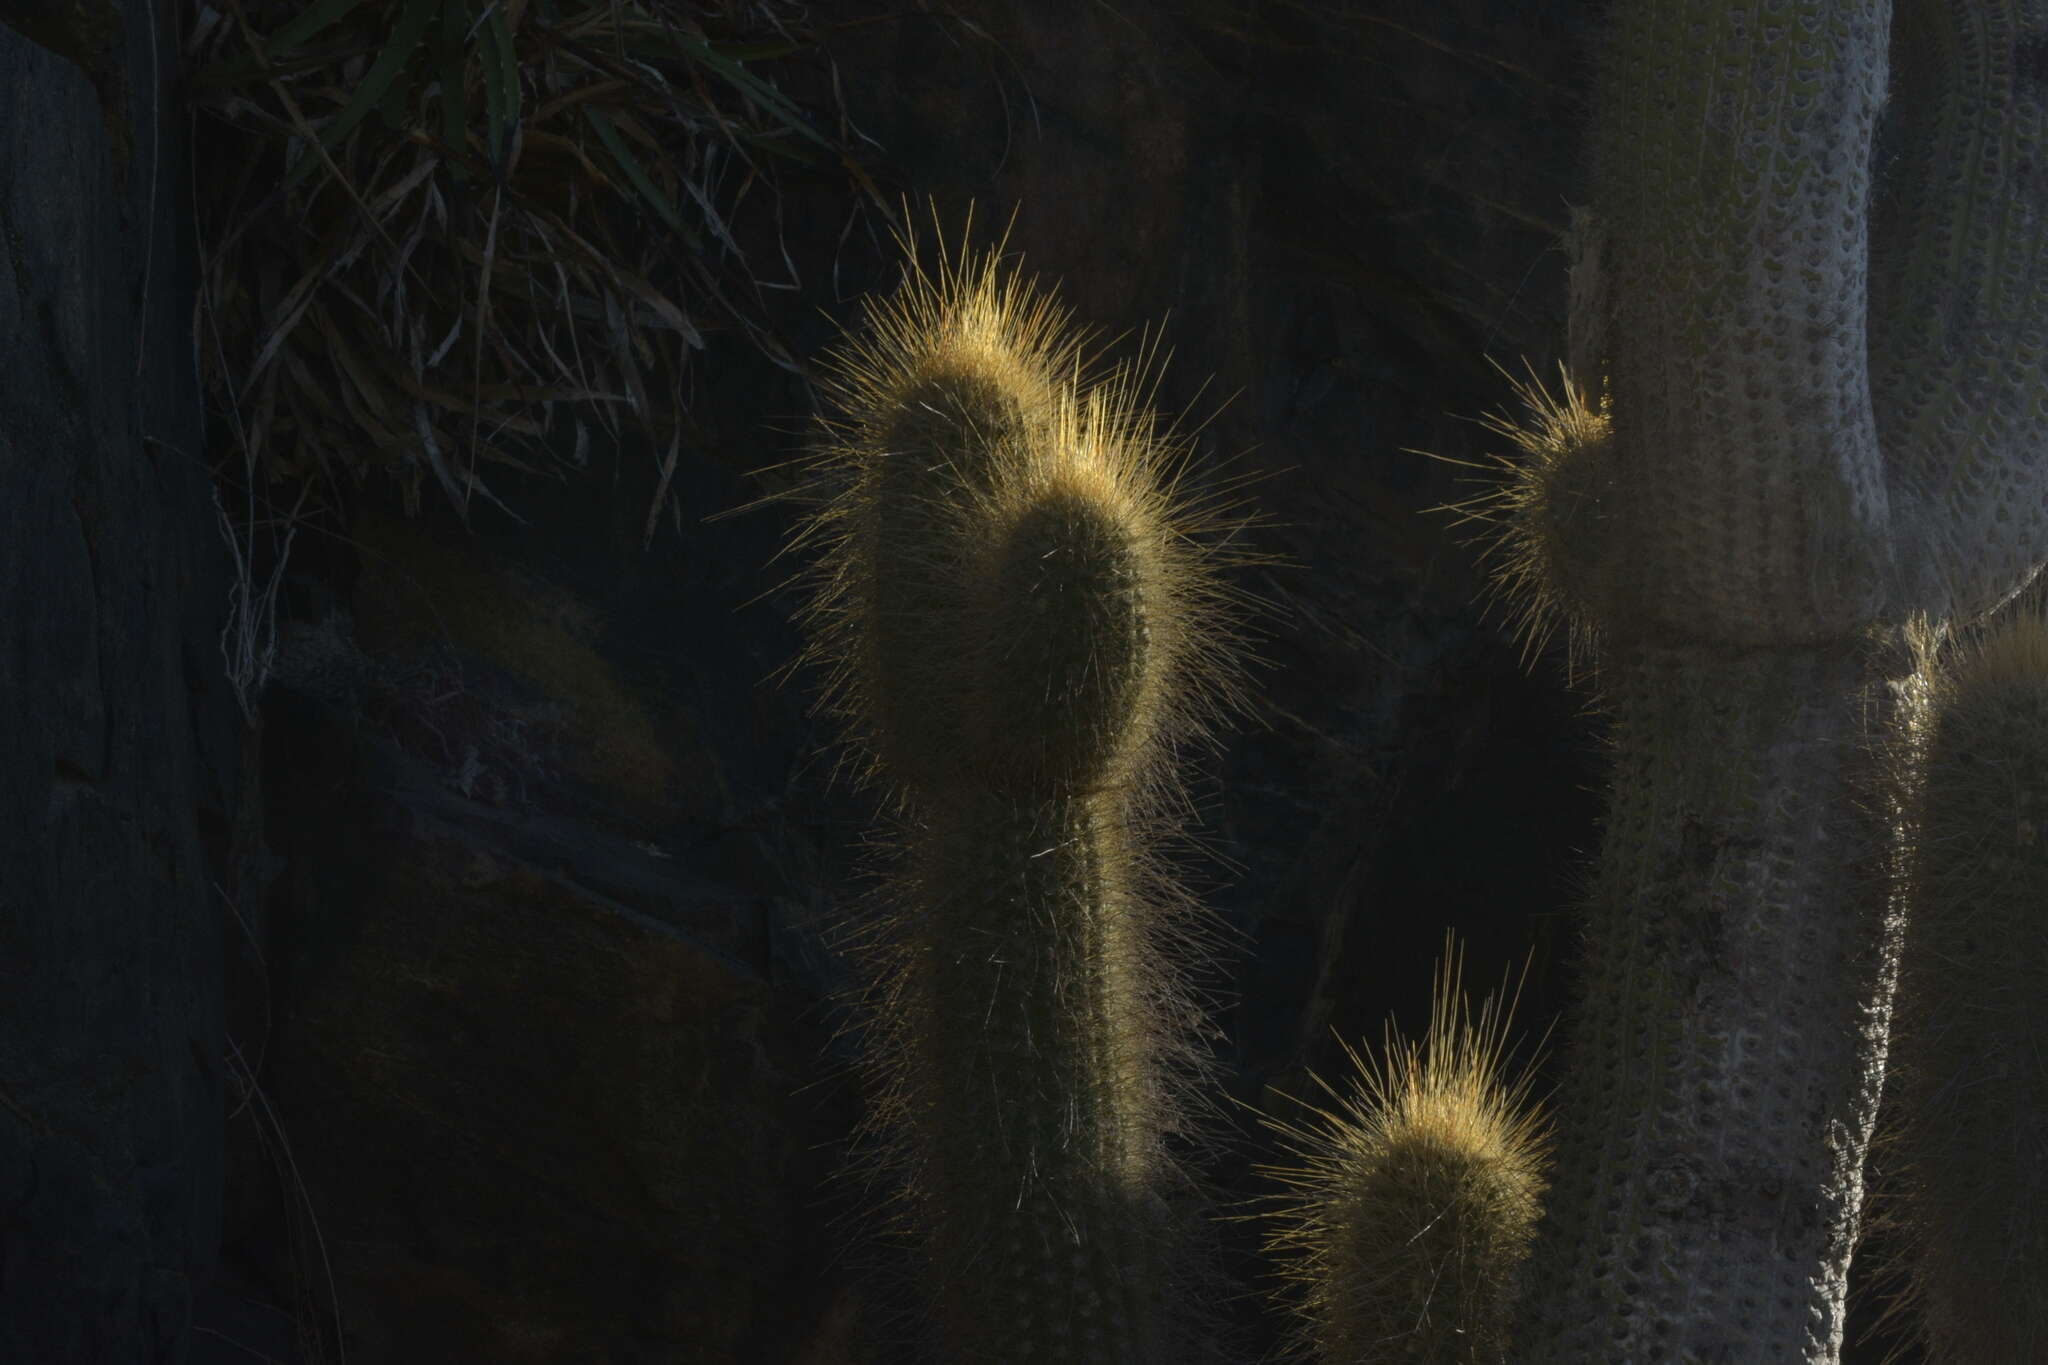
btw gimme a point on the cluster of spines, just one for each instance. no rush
(1411, 1205)
(970, 416)
(1546, 514)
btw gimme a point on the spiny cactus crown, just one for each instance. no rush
(1413, 1203)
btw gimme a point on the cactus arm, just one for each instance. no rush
(1959, 299)
(1034, 1052)
(1730, 162)
(1966, 1181)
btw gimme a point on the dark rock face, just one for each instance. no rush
(549, 1091)
(123, 834)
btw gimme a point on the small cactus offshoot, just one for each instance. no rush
(1545, 513)
(1412, 1203)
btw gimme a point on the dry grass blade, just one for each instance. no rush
(433, 223)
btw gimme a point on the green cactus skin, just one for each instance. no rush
(1412, 1204)
(1023, 621)
(1026, 1033)
(1827, 399)
(1967, 1175)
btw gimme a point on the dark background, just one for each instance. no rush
(524, 872)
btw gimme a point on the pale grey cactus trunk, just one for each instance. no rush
(1827, 378)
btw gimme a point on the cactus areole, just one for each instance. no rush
(1827, 400)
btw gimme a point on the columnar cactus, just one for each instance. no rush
(1968, 1143)
(1022, 623)
(1411, 1205)
(1827, 403)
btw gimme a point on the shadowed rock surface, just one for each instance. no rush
(126, 828)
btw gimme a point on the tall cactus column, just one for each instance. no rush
(1023, 624)
(1725, 1058)
(1825, 399)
